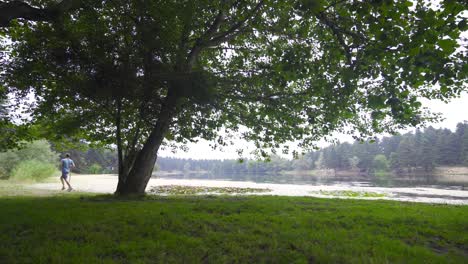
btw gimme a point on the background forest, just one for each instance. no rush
(421, 151)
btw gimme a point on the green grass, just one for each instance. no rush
(14, 188)
(228, 229)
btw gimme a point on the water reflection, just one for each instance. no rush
(381, 180)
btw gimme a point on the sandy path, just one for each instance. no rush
(107, 184)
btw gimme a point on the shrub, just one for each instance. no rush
(95, 169)
(32, 170)
(38, 150)
(8, 160)
(380, 163)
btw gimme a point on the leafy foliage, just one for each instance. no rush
(380, 163)
(313, 69)
(33, 170)
(39, 151)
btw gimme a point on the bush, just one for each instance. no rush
(8, 160)
(32, 170)
(95, 169)
(38, 150)
(380, 163)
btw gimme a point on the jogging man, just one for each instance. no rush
(67, 164)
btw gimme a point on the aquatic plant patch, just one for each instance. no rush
(193, 190)
(350, 194)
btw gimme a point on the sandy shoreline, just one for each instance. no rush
(107, 184)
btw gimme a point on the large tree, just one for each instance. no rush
(138, 74)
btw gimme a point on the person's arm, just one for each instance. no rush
(70, 165)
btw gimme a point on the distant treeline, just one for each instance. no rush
(423, 149)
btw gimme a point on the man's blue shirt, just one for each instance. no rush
(66, 165)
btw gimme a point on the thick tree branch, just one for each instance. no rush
(212, 38)
(207, 35)
(214, 26)
(339, 34)
(19, 9)
(234, 29)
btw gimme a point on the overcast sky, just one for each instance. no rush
(454, 112)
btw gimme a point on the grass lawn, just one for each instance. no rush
(227, 229)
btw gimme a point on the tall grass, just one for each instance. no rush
(33, 170)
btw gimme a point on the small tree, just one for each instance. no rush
(354, 162)
(395, 162)
(320, 163)
(464, 152)
(95, 169)
(380, 163)
(187, 166)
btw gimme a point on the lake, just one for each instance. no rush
(429, 190)
(458, 182)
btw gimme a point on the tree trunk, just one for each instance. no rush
(142, 169)
(118, 121)
(124, 169)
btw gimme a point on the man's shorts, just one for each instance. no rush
(65, 175)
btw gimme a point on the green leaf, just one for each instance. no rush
(376, 101)
(463, 25)
(447, 45)
(414, 51)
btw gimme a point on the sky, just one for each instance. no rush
(454, 112)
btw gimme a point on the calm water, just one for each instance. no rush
(428, 181)
(426, 189)
(403, 189)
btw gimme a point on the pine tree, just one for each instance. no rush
(320, 163)
(395, 162)
(390, 144)
(462, 129)
(428, 150)
(405, 153)
(464, 148)
(417, 151)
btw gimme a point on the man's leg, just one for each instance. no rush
(63, 184)
(68, 183)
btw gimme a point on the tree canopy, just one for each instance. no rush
(133, 73)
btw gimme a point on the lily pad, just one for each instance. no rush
(193, 190)
(351, 194)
